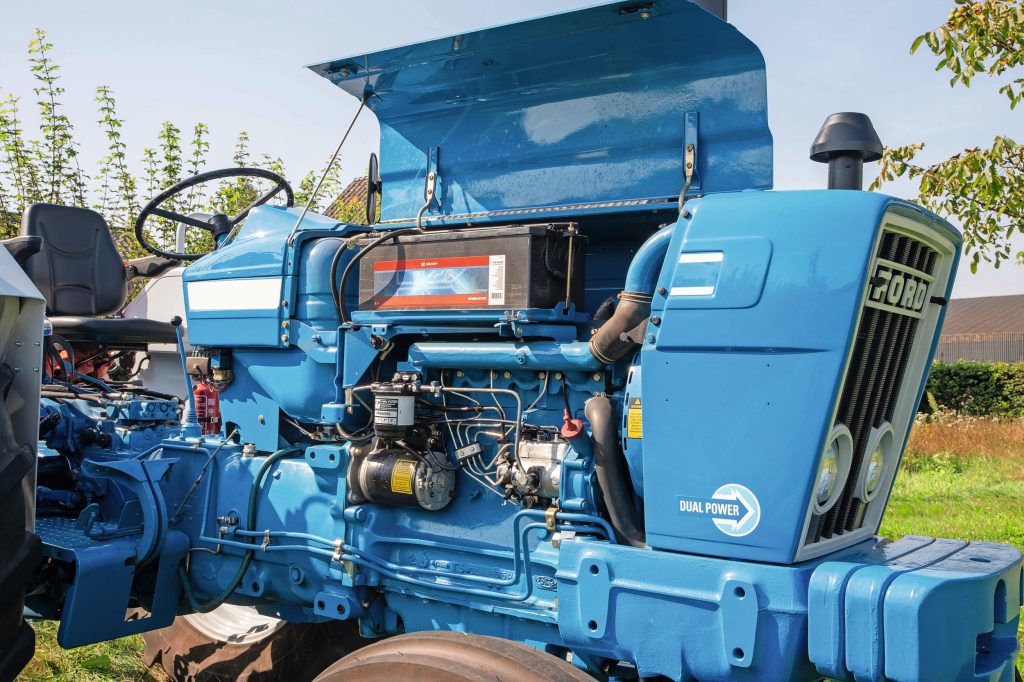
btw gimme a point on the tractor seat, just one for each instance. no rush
(82, 277)
(114, 331)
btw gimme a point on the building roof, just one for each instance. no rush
(355, 193)
(985, 315)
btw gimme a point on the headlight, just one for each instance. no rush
(879, 456)
(834, 468)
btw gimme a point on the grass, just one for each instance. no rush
(120, 659)
(961, 478)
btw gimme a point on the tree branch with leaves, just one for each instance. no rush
(982, 189)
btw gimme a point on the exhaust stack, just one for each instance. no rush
(846, 140)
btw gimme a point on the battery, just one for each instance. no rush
(517, 266)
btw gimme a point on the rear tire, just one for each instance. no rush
(236, 643)
(451, 656)
(20, 550)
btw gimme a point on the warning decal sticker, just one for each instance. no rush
(634, 419)
(402, 475)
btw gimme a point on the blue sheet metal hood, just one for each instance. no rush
(584, 111)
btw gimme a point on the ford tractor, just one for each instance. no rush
(584, 400)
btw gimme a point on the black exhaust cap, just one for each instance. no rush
(846, 140)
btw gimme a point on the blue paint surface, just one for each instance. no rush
(722, 412)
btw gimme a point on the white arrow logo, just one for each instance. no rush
(746, 523)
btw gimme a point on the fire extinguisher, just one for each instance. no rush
(207, 399)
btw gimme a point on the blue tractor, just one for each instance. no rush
(584, 402)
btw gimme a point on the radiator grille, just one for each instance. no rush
(874, 377)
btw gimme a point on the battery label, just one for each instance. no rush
(463, 281)
(496, 280)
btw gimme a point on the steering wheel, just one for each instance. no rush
(219, 224)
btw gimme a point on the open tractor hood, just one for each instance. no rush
(581, 112)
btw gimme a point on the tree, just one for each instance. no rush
(48, 169)
(980, 188)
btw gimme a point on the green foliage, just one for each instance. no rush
(58, 152)
(981, 188)
(329, 188)
(353, 212)
(977, 388)
(48, 169)
(980, 38)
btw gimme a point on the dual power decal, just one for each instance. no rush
(733, 508)
(467, 281)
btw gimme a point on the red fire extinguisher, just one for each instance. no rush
(207, 399)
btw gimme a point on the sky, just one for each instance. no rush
(238, 65)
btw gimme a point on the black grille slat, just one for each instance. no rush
(884, 395)
(858, 416)
(878, 364)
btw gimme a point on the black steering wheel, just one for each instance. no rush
(218, 224)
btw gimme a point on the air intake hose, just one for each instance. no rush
(625, 330)
(612, 475)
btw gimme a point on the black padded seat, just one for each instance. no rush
(82, 276)
(114, 331)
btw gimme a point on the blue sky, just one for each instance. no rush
(238, 65)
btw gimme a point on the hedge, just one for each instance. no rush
(977, 388)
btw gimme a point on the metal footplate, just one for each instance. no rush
(108, 555)
(933, 610)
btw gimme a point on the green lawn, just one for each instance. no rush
(975, 493)
(117, 660)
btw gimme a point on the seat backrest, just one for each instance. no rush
(78, 270)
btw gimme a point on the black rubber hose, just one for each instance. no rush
(612, 474)
(339, 290)
(611, 343)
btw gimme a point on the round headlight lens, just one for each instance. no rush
(833, 469)
(880, 457)
(828, 474)
(876, 465)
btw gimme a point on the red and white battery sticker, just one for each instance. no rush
(460, 281)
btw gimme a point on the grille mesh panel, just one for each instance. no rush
(881, 353)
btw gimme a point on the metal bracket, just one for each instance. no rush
(594, 580)
(141, 477)
(739, 622)
(550, 522)
(430, 188)
(691, 150)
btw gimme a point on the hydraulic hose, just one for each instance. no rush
(339, 290)
(250, 523)
(612, 474)
(624, 331)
